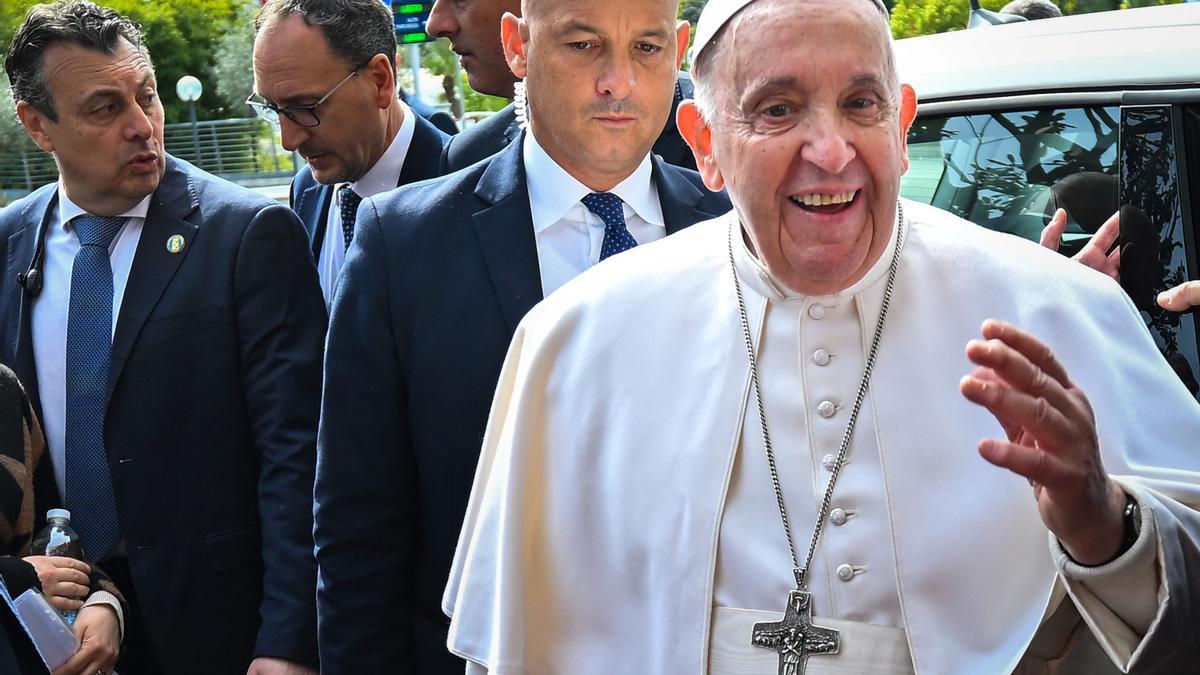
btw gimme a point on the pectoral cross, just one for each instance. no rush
(795, 638)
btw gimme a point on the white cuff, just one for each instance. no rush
(106, 598)
(1120, 599)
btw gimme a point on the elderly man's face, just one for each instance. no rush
(473, 28)
(294, 65)
(108, 139)
(809, 137)
(600, 79)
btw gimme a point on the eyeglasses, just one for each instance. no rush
(302, 115)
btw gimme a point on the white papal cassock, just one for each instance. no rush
(623, 521)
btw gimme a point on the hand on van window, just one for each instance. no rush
(1095, 253)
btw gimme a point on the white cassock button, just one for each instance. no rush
(821, 357)
(817, 312)
(829, 461)
(845, 572)
(837, 517)
(826, 409)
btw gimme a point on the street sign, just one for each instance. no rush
(410, 21)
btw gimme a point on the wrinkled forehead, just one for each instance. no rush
(635, 15)
(718, 15)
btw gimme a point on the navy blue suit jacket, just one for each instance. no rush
(210, 424)
(437, 278)
(310, 199)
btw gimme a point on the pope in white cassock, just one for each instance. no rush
(759, 446)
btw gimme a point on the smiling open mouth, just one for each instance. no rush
(825, 203)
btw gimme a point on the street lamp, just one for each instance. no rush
(188, 89)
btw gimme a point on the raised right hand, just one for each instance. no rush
(64, 580)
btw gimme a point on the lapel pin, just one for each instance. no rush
(175, 243)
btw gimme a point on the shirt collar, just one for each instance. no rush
(386, 172)
(553, 191)
(69, 210)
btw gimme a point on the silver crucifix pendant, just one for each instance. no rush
(795, 638)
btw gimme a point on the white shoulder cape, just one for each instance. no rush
(589, 544)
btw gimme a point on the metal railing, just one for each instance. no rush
(241, 150)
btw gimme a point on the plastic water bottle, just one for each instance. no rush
(58, 538)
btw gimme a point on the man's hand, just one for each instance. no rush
(1180, 298)
(265, 665)
(1052, 439)
(1095, 253)
(64, 580)
(99, 633)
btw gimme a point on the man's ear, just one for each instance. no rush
(35, 123)
(698, 134)
(514, 34)
(683, 30)
(908, 113)
(379, 69)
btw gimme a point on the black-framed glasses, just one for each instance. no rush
(302, 115)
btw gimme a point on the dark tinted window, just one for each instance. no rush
(1009, 171)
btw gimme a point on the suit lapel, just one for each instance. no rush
(153, 265)
(312, 206)
(21, 247)
(424, 152)
(505, 231)
(679, 197)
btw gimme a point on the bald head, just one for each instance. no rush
(738, 33)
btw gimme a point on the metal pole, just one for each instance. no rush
(414, 59)
(195, 132)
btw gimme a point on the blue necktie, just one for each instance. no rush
(350, 201)
(616, 236)
(89, 345)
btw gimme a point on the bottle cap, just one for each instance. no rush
(58, 513)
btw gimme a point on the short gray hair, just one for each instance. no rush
(74, 22)
(1033, 9)
(702, 65)
(356, 30)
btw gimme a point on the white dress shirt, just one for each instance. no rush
(380, 178)
(568, 235)
(49, 320)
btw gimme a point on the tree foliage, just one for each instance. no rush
(911, 18)
(181, 36)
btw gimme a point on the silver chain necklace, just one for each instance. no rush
(796, 638)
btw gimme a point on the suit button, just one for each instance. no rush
(845, 572)
(826, 409)
(829, 461)
(821, 357)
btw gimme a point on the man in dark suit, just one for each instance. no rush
(325, 72)
(181, 427)
(437, 280)
(472, 28)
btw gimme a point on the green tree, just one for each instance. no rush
(233, 65)
(181, 36)
(911, 18)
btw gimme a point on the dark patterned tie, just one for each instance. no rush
(89, 345)
(610, 209)
(350, 201)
